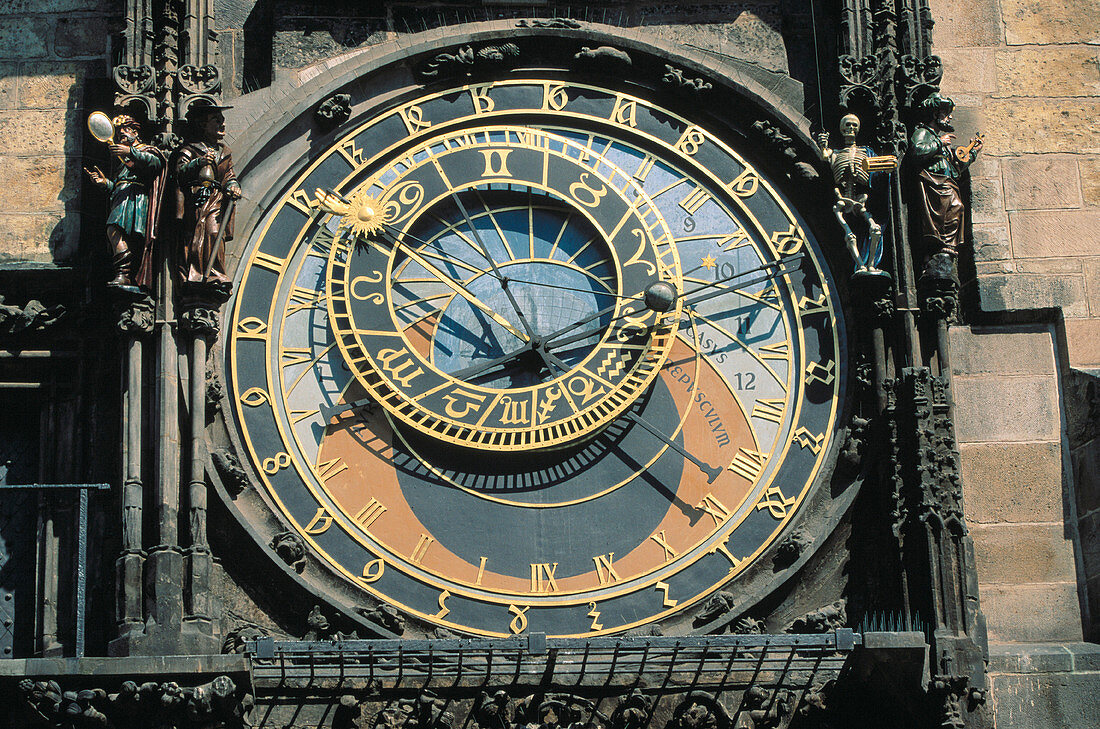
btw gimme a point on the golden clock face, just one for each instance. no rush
(557, 359)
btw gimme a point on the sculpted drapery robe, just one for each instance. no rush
(200, 202)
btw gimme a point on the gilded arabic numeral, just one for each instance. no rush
(818, 372)
(254, 397)
(605, 569)
(397, 363)
(349, 151)
(496, 162)
(808, 306)
(715, 508)
(276, 463)
(519, 622)
(788, 241)
(444, 611)
(745, 184)
(252, 327)
(748, 464)
(421, 549)
(774, 501)
(369, 514)
(542, 577)
(806, 439)
(320, 522)
(302, 202)
(694, 200)
(668, 602)
(586, 194)
(625, 111)
(480, 95)
(373, 571)
(662, 542)
(691, 141)
(554, 97)
(722, 548)
(595, 615)
(770, 409)
(413, 116)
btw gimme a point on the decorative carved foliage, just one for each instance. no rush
(779, 144)
(822, 620)
(467, 59)
(200, 320)
(423, 712)
(718, 605)
(229, 469)
(939, 288)
(333, 111)
(135, 315)
(679, 79)
(851, 455)
(235, 640)
(213, 391)
(149, 705)
(291, 549)
(747, 625)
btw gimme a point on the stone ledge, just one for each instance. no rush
(128, 666)
(1043, 657)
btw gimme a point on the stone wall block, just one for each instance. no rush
(968, 70)
(1054, 233)
(1044, 71)
(1086, 476)
(1092, 285)
(987, 203)
(1027, 409)
(1041, 181)
(1045, 700)
(24, 37)
(39, 184)
(1051, 21)
(1089, 165)
(22, 7)
(979, 350)
(1083, 343)
(1052, 266)
(1014, 553)
(1037, 612)
(1033, 491)
(82, 36)
(1033, 291)
(963, 24)
(48, 85)
(1089, 529)
(42, 132)
(1052, 125)
(991, 242)
(35, 237)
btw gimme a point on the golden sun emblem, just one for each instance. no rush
(362, 214)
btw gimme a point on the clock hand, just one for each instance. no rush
(455, 286)
(435, 252)
(712, 472)
(496, 270)
(475, 370)
(548, 339)
(551, 340)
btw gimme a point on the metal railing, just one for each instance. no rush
(698, 660)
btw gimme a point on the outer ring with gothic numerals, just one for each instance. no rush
(660, 503)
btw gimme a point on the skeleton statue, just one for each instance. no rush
(852, 166)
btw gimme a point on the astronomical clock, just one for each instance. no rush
(518, 348)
